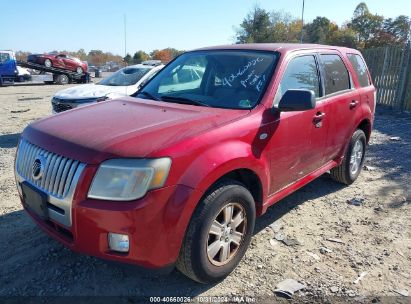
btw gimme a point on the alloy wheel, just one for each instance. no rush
(226, 234)
(356, 157)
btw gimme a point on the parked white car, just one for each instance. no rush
(23, 74)
(124, 82)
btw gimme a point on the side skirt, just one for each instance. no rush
(274, 198)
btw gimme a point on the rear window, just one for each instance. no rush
(125, 77)
(360, 69)
(336, 75)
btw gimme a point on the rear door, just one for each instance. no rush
(298, 138)
(363, 83)
(341, 102)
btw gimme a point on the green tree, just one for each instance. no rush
(365, 24)
(256, 27)
(140, 56)
(343, 37)
(81, 54)
(128, 59)
(399, 28)
(320, 30)
(262, 26)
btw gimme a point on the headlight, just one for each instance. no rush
(128, 179)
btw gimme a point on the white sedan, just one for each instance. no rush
(124, 82)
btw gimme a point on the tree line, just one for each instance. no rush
(364, 30)
(165, 55)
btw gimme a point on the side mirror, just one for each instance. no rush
(297, 100)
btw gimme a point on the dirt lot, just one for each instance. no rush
(374, 237)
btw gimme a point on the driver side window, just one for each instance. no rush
(301, 73)
(4, 57)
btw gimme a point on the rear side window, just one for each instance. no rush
(336, 75)
(360, 69)
(301, 73)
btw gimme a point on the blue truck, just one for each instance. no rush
(9, 71)
(8, 67)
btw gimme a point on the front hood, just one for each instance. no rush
(126, 127)
(92, 91)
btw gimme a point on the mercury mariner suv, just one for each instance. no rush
(177, 174)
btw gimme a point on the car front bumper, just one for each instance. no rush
(155, 225)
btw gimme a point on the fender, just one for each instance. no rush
(202, 173)
(221, 159)
(363, 114)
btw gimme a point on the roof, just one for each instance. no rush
(283, 47)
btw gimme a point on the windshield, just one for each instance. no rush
(234, 79)
(125, 77)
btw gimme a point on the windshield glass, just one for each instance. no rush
(125, 77)
(234, 79)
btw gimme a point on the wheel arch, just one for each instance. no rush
(249, 179)
(365, 126)
(234, 160)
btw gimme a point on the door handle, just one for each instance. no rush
(318, 117)
(317, 120)
(353, 104)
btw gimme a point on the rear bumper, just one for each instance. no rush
(155, 225)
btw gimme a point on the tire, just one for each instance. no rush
(62, 79)
(48, 63)
(345, 172)
(79, 70)
(199, 259)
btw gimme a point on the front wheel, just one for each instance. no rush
(79, 70)
(218, 234)
(351, 166)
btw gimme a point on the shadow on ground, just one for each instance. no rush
(9, 140)
(390, 150)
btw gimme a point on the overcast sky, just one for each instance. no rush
(45, 25)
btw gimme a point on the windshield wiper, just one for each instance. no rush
(183, 100)
(148, 95)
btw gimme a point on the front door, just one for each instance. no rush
(7, 64)
(298, 138)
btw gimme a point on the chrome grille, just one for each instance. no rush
(61, 107)
(58, 171)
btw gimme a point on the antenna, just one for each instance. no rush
(302, 22)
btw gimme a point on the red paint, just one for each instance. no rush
(204, 144)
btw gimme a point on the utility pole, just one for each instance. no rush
(302, 22)
(125, 37)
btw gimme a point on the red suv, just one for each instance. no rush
(178, 174)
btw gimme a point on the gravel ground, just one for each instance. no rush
(373, 239)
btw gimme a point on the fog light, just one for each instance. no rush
(118, 242)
